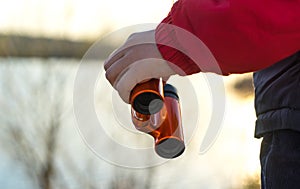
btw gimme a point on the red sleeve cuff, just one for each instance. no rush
(166, 39)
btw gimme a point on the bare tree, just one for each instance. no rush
(32, 118)
(34, 105)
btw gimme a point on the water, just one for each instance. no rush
(37, 95)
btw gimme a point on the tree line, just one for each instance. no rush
(27, 46)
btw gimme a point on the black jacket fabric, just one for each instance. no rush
(277, 96)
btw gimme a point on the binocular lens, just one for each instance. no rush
(170, 148)
(147, 103)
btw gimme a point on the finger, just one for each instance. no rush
(125, 83)
(135, 39)
(115, 70)
(141, 70)
(118, 53)
(113, 57)
(133, 55)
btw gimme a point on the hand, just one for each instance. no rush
(136, 61)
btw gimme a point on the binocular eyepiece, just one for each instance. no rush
(155, 110)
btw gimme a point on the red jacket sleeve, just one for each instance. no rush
(241, 35)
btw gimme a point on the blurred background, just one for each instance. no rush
(41, 45)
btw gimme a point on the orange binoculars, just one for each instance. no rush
(155, 110)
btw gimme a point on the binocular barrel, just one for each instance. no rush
(155, 110)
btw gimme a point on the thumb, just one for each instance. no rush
(141, 71)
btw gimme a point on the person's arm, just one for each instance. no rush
(242, 35)
(219, 36)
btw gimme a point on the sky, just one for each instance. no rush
(77, 19)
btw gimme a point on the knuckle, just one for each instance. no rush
(108, 77)
(105, 65)
(133, 35)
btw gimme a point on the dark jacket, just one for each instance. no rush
(277, 96)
